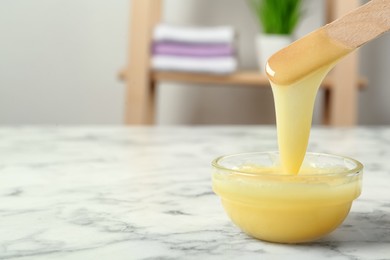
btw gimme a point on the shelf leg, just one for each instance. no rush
(139, 102)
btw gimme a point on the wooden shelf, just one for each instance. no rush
(245, 78)
(340, 88)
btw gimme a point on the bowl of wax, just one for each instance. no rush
(274, 206)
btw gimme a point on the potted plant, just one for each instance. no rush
(278, 20)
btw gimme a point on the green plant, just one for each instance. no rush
(277, 16)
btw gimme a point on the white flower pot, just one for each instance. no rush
(268, 44)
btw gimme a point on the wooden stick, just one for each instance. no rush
(330, 43)
(362, 24)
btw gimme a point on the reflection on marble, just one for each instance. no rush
(145, 193)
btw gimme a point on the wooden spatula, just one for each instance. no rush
(361, 25)
(329, 43)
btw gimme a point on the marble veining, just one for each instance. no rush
(145, 193)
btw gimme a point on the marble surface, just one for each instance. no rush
(145, 193)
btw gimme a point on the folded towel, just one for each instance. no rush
(221, 65)
(192, 50)
(164, 32)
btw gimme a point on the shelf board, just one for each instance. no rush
(240, 78)
(250, 78)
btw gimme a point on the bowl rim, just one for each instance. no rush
(357, 170)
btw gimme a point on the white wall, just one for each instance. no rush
(59, 60)
(375, 66)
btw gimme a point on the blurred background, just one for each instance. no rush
(59, 64)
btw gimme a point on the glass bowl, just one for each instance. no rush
(286, 208)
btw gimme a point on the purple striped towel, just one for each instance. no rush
(193, 50)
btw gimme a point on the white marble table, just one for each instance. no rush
(145, 193)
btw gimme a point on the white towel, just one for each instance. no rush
(222, 65)
(223, 34)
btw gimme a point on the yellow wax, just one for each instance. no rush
(296, 73)
(283, 205)
(294, 109)
(286, 209)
